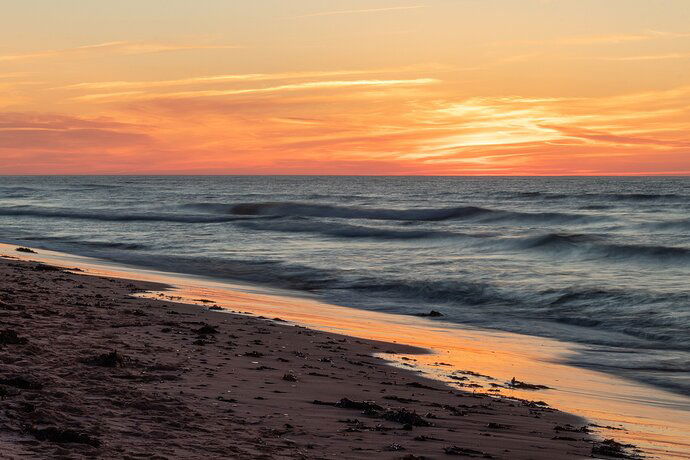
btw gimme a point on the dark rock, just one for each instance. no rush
(431, 314)
(26, 250)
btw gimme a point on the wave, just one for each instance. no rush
(296, 209)
(219, 213)
(112, 245)
(91, 244)
(21, 211)
(595, 246)
(12, 189)
(558, 240)
(596, 196)
(672, 225)
(344, 230)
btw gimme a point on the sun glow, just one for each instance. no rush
(374, 89)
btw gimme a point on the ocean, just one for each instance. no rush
(602, 262)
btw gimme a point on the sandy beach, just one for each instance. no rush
(88, 370)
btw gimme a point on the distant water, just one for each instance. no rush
(604, 262)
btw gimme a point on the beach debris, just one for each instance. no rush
(46, 268)
(465, 452)
(607, 427)
(367, 406)
(26, 250)
(453, 410)
(64, 436)
(6, 306)
(611, 448)
(207, 329)
(424, 438)
(431, 314)
(524, 385)
(22, 383)
(10, 337)
(474, 374)
(7, 392)
(289, 377)
(111, 359)
(572, 429)
(406, 417)
(399, 399)
(423, 386)
(497, 426)
(394, 448)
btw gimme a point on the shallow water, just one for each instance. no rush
(602, 262)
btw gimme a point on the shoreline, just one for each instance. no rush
(652, 420)
(177, 365)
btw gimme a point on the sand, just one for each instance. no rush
(87, 370)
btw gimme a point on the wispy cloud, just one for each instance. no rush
(358, 11)
(601, 39)
(56, 133)
(111, 48)
(237, 78)
(270, 89)
(645, 57)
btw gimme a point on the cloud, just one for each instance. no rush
(644, 57)
(600, 39)
(328, 84)
(401, 129)
(358, 11)
(239, 78)
(110, 48)
(49, 132)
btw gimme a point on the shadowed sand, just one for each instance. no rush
(88, 370)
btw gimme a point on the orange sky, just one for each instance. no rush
(505, 87)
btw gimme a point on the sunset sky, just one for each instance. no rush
(500, 87)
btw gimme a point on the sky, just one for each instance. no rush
(399, 87)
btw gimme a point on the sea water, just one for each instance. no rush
(601, 261)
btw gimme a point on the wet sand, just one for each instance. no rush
(87, 369)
